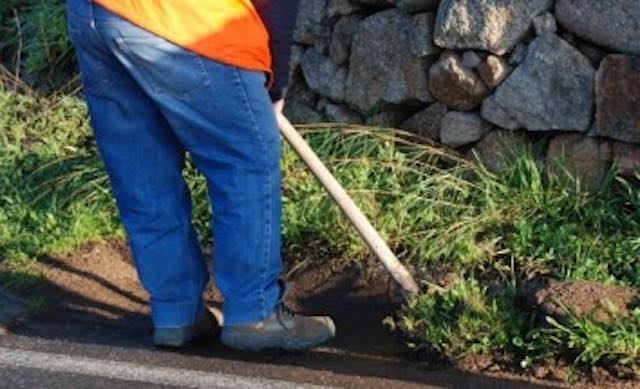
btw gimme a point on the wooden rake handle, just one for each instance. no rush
(349, 207)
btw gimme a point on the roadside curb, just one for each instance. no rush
(12, 308)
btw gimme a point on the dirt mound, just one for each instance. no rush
(597, 301)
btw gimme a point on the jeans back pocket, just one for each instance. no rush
(168, 69)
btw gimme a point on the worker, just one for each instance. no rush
(166, 77)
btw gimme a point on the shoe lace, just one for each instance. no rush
(284, 312)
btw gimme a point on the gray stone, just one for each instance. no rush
(323, 76)
(551, 90)
(298, 90)
(377, 3)
(342, 114)
(614, 24)
(299, 101)
(381, 67)
(627, 159)
(583, 158)
(455, 85)
(518, 54)
(300, 113)
(490, 25)
(294, 60)
(389, 117)
(493, 71)
(311, 23)
(426, 123)
(618, 98)
(342, 37)
(471, 59)
(569, 38)
(545, 23)
(322, 104)
(594, 53)
(462, 128)
(342, 8)
(414, 6)
(499, 148)
(422, 35)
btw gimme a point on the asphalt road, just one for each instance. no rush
(28, 362)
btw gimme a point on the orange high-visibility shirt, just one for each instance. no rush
(228, 31)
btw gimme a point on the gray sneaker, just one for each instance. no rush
(203, 328)
(283, 329)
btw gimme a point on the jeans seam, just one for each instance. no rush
(267, 233)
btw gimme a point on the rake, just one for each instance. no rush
(368, 233)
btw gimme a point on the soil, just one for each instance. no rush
(584, 298)
(93, 296)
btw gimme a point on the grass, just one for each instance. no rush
(436, 210)
(41, 131)
(468, 319)
(34, 42)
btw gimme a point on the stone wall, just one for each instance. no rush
(479, 75)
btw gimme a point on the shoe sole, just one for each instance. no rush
(255, 342)
(259, 342)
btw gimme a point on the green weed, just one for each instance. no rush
(465, 319)
(434, 208)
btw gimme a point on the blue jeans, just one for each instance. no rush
(150, 102)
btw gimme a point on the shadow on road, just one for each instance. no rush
(94, 298)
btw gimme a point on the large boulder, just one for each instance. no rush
(618, 98)
(491, 25)
(551, 90)
(323, 76)
(455, 85)
(614, 24)
(382, 68)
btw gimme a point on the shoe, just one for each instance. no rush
(203, 328)
(283, 329)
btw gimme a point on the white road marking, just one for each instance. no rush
(127, 371)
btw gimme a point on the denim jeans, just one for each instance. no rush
(150, 102)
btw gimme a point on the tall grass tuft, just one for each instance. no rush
(34, 42)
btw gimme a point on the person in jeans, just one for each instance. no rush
(166, 77)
